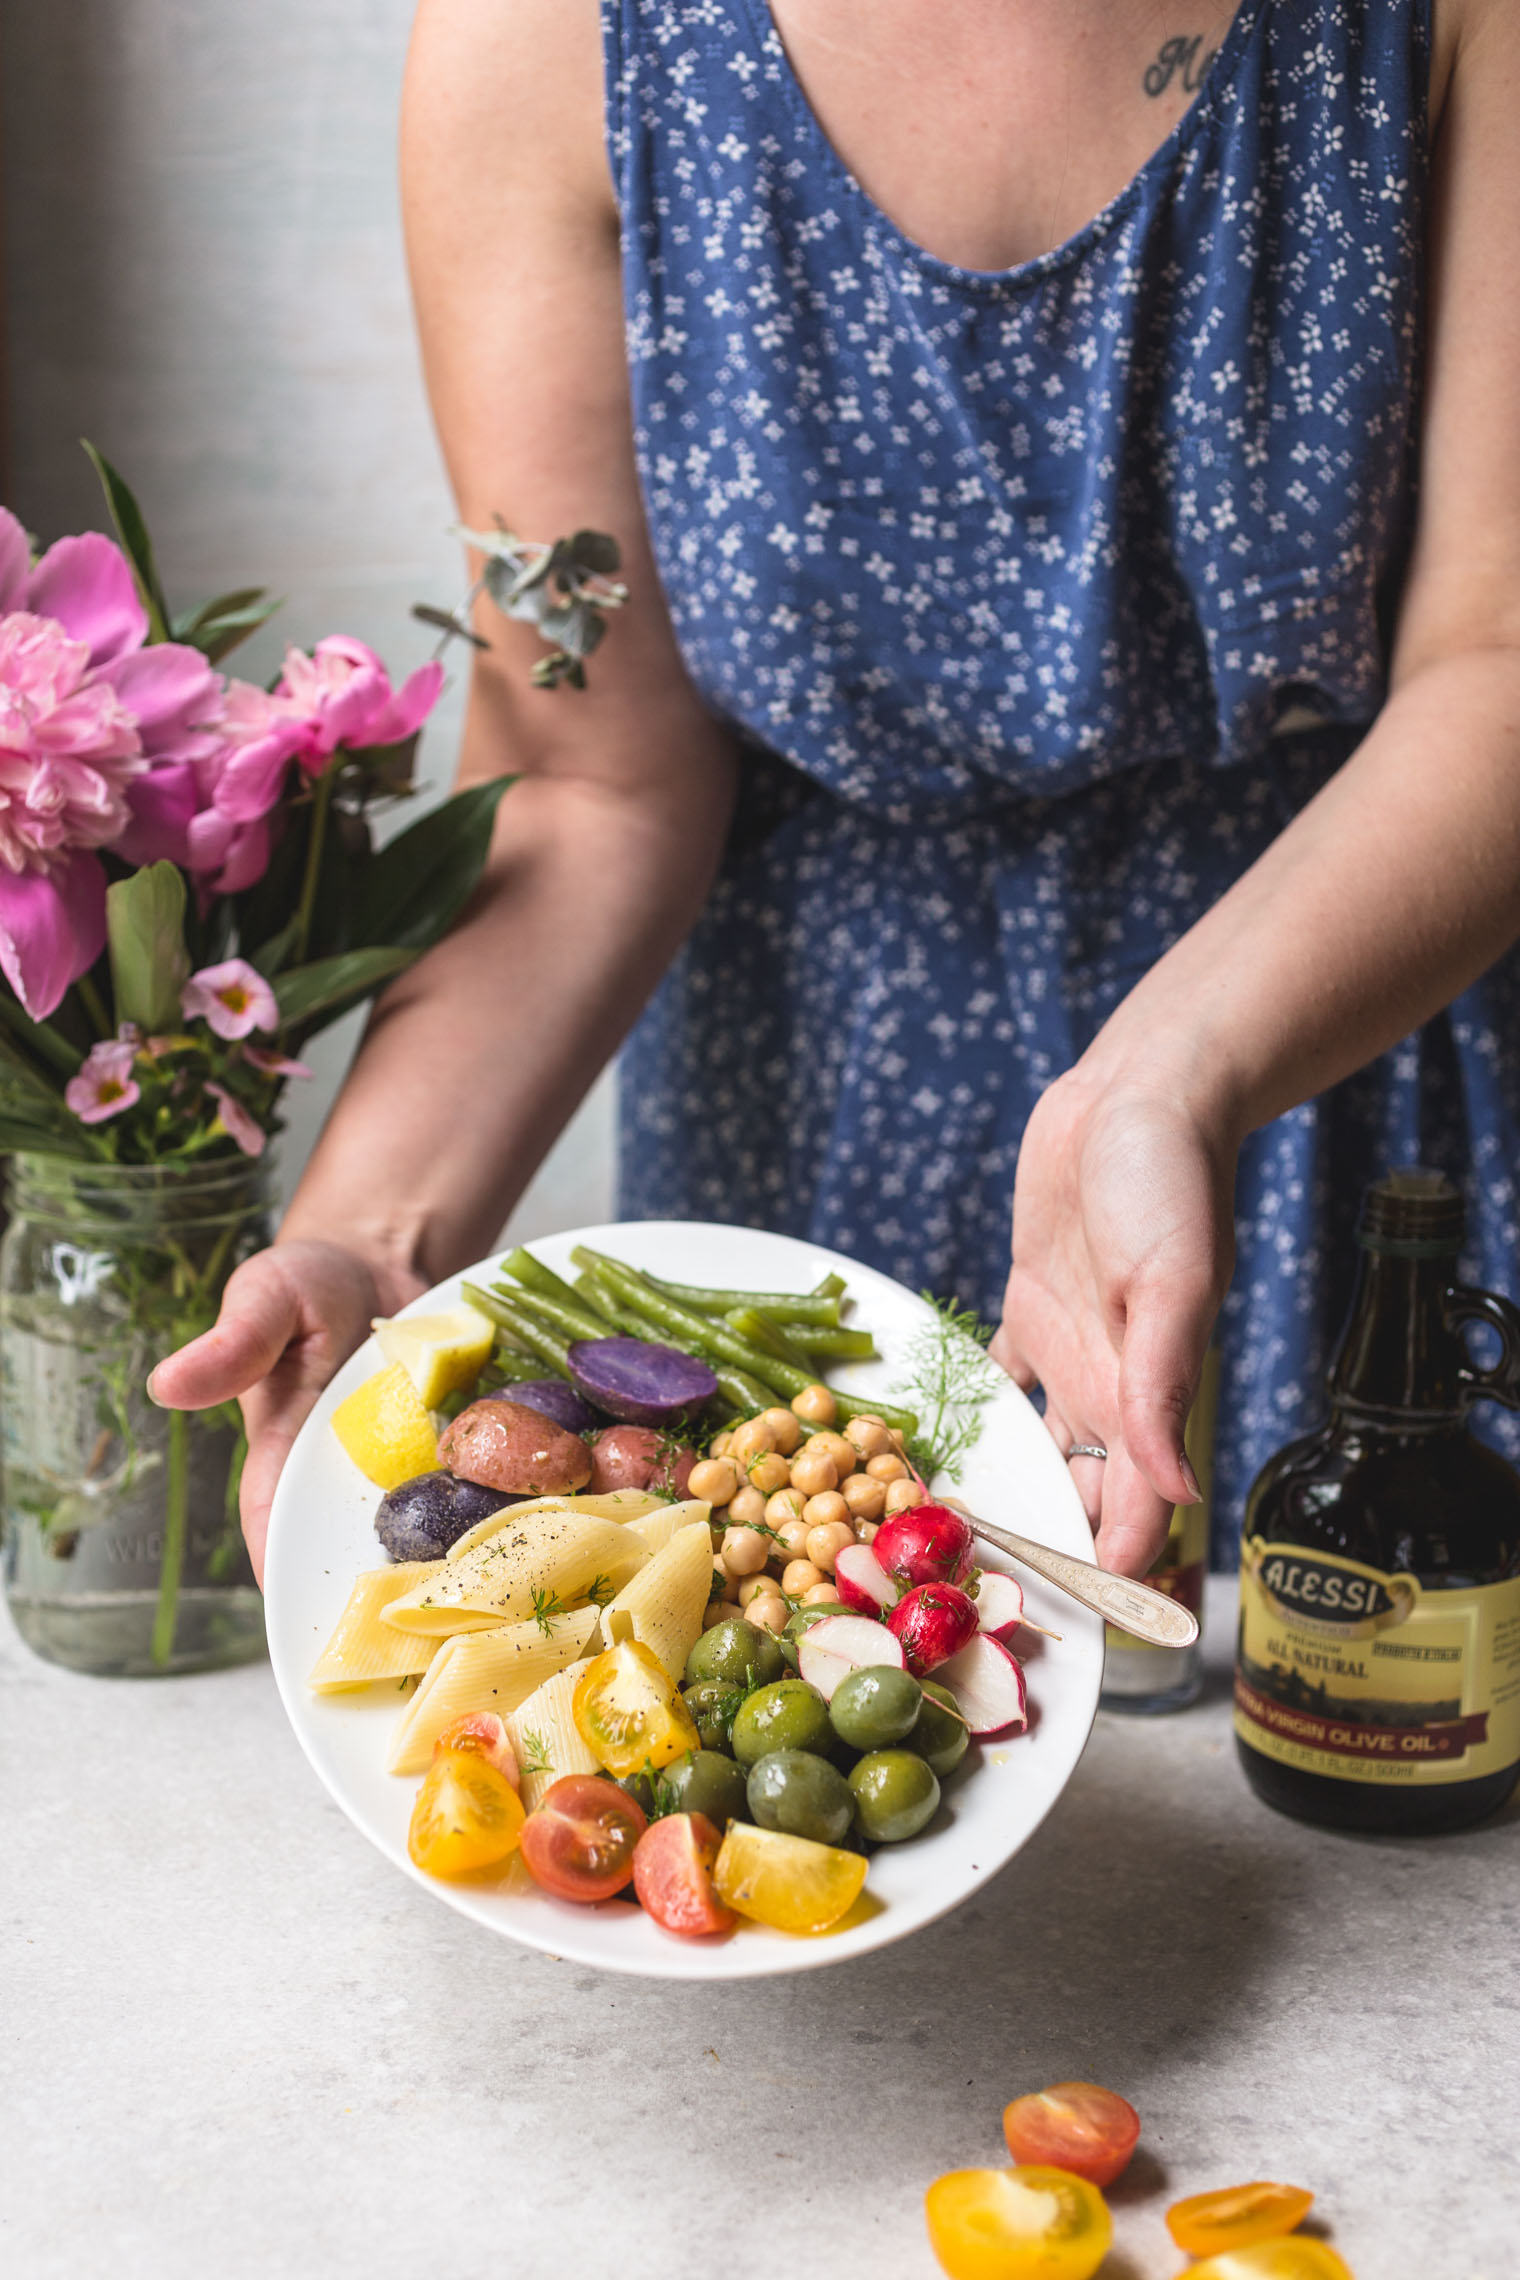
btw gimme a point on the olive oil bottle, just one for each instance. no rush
(1377, 1676)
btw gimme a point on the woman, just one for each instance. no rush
(1066, 466)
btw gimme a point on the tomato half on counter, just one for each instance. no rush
(1017, 2224)
(672, 1875)
(579, 1843)
(1076, 2126)
(1238, 2216)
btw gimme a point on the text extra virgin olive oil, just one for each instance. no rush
(1377, 1675)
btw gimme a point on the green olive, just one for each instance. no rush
(704, 1781)
(712, 1704)
(640, 1788)
(737, 1651)
(804, 1618)
(875, 1707)
(800, 1794)
(895, 1794)
(788, 1716)
(939, 1737)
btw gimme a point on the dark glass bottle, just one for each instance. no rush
(1377, 1678)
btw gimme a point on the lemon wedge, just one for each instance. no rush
(440, 1353)
(385, 1427)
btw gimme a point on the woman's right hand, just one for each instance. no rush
(290, 1315)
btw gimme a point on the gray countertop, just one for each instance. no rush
(237, 2043)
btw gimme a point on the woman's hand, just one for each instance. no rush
(1123, 1248)
(289, 1317)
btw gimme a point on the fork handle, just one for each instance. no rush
(1134, 1607)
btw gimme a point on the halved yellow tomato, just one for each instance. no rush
(467, 1815)
(1018, 2224)
(628, 1712)
(787, 1882)
(1237, 2216)
(1293, 2259)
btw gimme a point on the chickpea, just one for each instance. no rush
(886, 1468)
(820, 1595)
(898, 1442)
(768, 1611)
(714, 1480)
(746, 1507)
(794, 1535)
(785, 1505)
(868, 1435)
(755, 1587)
(869, 1530)
(902, 1496)
(813, 1471)
(745, 1551)
(826, 1541)
(718, 1611)
(820, 1510)
(750, 1440)
(815, 1405)
(718, 1445)
(786, 1429)
(725, 1583)
(844, 1453)
(799, 1576)
(768, 1472)
(865, 1499)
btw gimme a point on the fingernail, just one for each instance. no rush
(1195, 1493)
(148, 1390)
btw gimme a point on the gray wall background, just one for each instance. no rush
(204, 275)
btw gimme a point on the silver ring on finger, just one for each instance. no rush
(1087, 1449)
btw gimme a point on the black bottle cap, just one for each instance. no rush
(1412, 1214)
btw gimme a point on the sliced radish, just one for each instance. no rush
(933, 1622)
(999, 1602)
(988, 1684)
(863, 1583)
(926, 1544)
(830, 1650)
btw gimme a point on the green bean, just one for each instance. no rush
(511, 1366)
(573, 1321)
(832, 1286)
(833, 1345)
(866, 1405)
(818, 1307)
(545, 1343)
(541, 1280)
(713, 1340)
(767, 1335)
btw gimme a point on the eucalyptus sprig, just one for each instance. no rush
(563, 586)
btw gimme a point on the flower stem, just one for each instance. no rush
(90, 998)
(321, 798)
(176, 1501)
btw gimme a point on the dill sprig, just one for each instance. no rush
(546, 1605)
(601, 1590)
(535, 1754)
(950, 1380)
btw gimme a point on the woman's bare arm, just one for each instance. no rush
(1390, 893)
(606, 845)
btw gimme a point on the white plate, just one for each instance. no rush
(322, 1533)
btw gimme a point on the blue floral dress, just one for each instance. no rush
(1040, 601)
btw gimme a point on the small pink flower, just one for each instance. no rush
(236, 1121)
(342, 695)
(271, 1063)
(105, 1085)
(232, 997)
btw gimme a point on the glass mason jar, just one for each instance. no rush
(122, 1551)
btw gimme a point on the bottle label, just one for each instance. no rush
(1366, 1676)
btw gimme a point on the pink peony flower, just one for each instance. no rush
(233, 997)
(84, 711)
(236, 1121)
(105, 1084)
(271, 1063)
(342, 695)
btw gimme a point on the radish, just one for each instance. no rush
(988, 1684)
(863, 1583)
(933, 1622)
(830, 1650)
(926, 1544)
(999, 1603)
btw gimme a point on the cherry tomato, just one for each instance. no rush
(672, 1875)
(467, 1815)
(485, 1733)
(1075, 2126)
(1017, 2224)
(1294, 2259)
(1236, 2217)
(579, 1843)
(629, 1713)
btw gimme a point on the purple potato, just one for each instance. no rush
(553, 1399)
(640, 1382)
(420, 1519)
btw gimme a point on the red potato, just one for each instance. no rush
(637, 1456)
(501, 1444)
(933, 1622)
(927, 1544)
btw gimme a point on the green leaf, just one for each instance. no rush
(216, 628)
(418, 884)
(330, 986)
(596, 551)
(21, 1139)
(46, 1041)
(132, 530)
(145, 930)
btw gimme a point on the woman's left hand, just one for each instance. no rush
(1123, 1247)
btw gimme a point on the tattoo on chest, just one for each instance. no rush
(1182, 59)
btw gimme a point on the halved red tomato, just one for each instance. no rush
(1237, 2216)
(672, 1875)
(579, 1844)
(486, 1734)
(1075, 2126)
